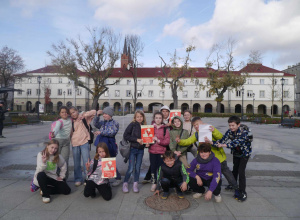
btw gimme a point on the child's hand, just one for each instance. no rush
(177, 139)
(156, 192)
(147, 145)
(208, 195)
(81, 116)
(44, 157)
(207, 140)
(169, 124)
(211, 128)
(99, 112)
(59, 178)
(97, 133)
(52, 134)
(155, 138)
(183, 186)
(88, 164)
(140, 141)
(178, 153)
(199, 181)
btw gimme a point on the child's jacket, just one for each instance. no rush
(176, 133)
(209, 169)
(132, 133)
(160, 148)
(96, 176)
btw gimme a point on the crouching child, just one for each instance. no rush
(205, 170)
(172, 174)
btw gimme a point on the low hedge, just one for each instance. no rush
(226, 115)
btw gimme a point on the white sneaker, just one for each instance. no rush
(197, 195)
(218, 198)
(153, 187)
(116, 183)
(77, 183)
(46, 200)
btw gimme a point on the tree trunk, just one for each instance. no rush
(95, 101)
(135, 95)
(218, 107)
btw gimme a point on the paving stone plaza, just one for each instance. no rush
(273, 181)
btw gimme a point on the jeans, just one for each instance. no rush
(228, 174)
(78, 152)
(155, 162)
(239, 167)
(135, 161)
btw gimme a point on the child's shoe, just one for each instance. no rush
(46, 200)
(236, 194)
(165, 195)
(197, 195)
(218, 198)
(179, 194)
(145, 181)
(125, 188)
(229, 188)
(153, 187)
(116, 183)
(242, 197)
(135, 187)
(77, 183)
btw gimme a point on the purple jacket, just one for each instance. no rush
(206, 169)
(164, 140)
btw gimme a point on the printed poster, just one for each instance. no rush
(204, 131)
(109, 167)
(41, 108)
(147, 134)
(174, 113)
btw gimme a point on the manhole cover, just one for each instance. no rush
(171, 204)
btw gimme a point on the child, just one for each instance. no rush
(95, 180)
(80, 141)
(238, 141)
(218, 152)
(178, 132)
(205, 170)
(188, 125)
(156, 150)
(171, 174)
(62, 134)
(48, 161)
(133, 135)
(108, 129)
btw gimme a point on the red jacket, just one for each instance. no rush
(160, 148)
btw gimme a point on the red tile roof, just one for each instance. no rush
(259, 68)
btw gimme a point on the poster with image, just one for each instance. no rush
(173, 113)
(204, 131)
(109, 167)
(147, 134)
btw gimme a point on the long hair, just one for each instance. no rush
(104, 147)
(56, 155)
(64, 107)
(144, 122)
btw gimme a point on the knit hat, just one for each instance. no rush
(109, 111)
(164, 107)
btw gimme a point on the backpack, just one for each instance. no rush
(33, 187)
(53, 126)
(124, 148)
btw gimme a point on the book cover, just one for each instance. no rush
(147, 134)
(109, 167)
(173, 113)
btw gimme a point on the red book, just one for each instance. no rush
(147, 134)
(109, 167)
(174, 113)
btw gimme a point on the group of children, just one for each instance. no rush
(169, 167)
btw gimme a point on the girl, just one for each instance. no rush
(48, 161)
(61, 133)
(162, 140)
(133, 135)
(94, 175)
(187, 125)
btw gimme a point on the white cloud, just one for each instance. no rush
(29, 6)
(256, 24)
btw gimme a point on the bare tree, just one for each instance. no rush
(223, 76)
(255, 57)
(10, 63)
(97, 57)
(174, 73)
(136, 47)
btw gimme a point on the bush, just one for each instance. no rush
(226, 115)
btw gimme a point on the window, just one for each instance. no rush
(69, 92)
(262, 81)
(196, 94)
(128, 93)
(128, 82)
(79, 91)
(59, 92)
(118, 82)
(197, 82)
(38, 92)
(185, 82)
(28, 91)
(286, 81)
(208, 95)
(19, 92)
(249, 81)
(69, 81)
(49, 90)
(249, 93)
(49, 80)
(151, 82)
(29, 80)
(275, 94)
(238, 93)
(150, 93)
(59, 80)
(161, 93)
(139, 93)
(106, 94)
(139, 82)
(117, 93)
(184, 94)
(285, 94)
(262, 94)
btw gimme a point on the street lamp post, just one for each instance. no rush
(282, 83)
(39, 78)
(253, 102)
(243, 100)
(64, 97)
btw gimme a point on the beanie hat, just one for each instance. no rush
(164, 107)
(109, 111)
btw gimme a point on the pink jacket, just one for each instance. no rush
(160, 148)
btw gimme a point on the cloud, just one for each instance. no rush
(28, 7)
(256, 24)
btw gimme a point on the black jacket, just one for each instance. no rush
(132, 133)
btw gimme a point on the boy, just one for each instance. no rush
(218, 152)
(171, 174)
(238, 141)
(205, 170)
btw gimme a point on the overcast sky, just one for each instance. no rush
(273, 27)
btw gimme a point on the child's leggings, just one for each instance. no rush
(104, 190)
(239, 168)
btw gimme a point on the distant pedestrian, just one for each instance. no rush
(2, 117)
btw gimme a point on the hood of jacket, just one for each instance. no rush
(200, 160)
(172, 123)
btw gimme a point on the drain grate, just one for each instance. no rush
(171, 204)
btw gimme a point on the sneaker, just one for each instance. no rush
(179, 194)
(242, 197)
(77, 183)
(145, 181)
(153, 187)
(135, 187)
(197, 195)
(218, 198)
(116, 183)
(236, 194)
(46, 200)
(229, 188)
(125, 188)
(165, 195)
